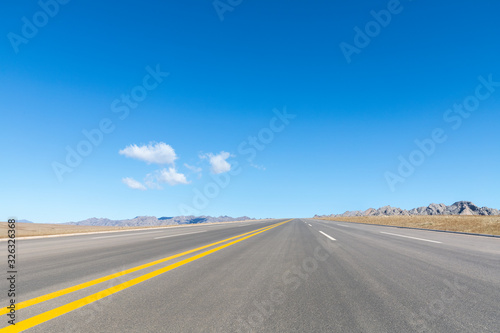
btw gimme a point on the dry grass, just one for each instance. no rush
(475, 224)
(41, 229)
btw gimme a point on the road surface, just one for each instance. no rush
(299, 275)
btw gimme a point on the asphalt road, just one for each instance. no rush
(267, 276)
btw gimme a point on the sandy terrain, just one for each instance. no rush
(474, 224)
(41, 229)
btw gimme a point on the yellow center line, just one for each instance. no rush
(51, 314)
(81, 286)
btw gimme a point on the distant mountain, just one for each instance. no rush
(146, 221)
(25, 221)
(458, 208)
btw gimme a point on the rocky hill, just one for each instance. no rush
(458, 208)
(142, 221)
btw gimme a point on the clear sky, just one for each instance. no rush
(269, 108)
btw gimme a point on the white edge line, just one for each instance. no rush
(131, 234)
(189, 233)
(327, 235)
(422, 239)
(88, 233)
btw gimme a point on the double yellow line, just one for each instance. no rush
(48, 315)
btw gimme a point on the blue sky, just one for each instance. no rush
(183, 140)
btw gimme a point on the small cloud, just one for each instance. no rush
(194, 169)
(151, 181)
(218, 162)
(159, 153)
(258, 167)
(134, 184)
(170, 176)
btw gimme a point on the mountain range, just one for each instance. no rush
(154, 221)
(458, 208)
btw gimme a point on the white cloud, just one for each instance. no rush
(134, 184)
(159, 153)
(258, 167)
(218, 162)
(193, 168)
(151, 181)
(170, 176)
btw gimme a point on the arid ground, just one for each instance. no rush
(41, 229)
(474, 224)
